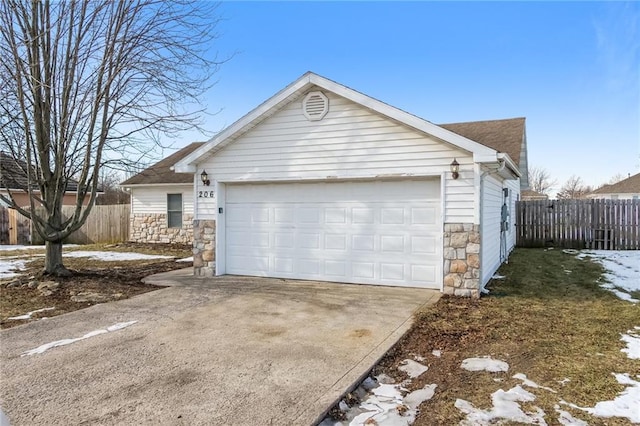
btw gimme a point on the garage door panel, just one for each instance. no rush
(284, 215)
(392, 215)
(424, 245)
(283, 265)
(308, 241)
(423, 273)
(284, 240)
(392, 243)
(363, 242)
(360, 232)
(423, 216)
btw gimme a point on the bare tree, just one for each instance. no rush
(94, 84)
(540, 180)
(574, 188)
(109, 190)
(615, 179)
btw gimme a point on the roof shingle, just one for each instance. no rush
(162, 172)
(630, 185)
(13, 174)
(502, 135)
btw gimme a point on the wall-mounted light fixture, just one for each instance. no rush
(205, 178)
(455, 168)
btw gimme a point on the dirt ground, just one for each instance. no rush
(92, 281)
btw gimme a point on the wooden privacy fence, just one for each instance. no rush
(594, 224)
(14, 228)
(105, 224)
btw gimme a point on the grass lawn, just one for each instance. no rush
(548, 319)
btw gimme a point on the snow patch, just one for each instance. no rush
(412, 368)
(436, 352)
(43, 348)
(113, 256)
(623, 270)
(505, 406)
(565, 418)
(485, 363)
(9, 267)
(498, 277)
(571, 251)
(417, 397)
(28, 314)
(186, 259)
(633, 343)
(387, 406)
(530, 383)
(564, 381)
(626, 404)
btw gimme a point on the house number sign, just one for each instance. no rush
(205, 194)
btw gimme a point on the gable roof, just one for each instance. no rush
(162, 171)
(481, 153)
(502, 135)
(13, 174)
(630, 185)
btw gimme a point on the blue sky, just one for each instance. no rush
(571, 68)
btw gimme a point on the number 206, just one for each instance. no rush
(205, 194)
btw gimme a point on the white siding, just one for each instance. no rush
(350, 142)
(490, 226)
(153, 199)
(493, 199)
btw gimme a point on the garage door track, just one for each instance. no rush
(228, 350)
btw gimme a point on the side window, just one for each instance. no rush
(174, 210)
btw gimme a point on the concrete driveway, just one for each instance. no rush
(228, 351)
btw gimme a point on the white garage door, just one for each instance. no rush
(382, 232)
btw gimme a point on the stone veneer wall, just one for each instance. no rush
(462, 259)
(152, 228)
(204, 248)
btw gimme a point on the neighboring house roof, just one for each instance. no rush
(528, 194)
(13, 174)
(630, 185)
(162, 171)
(501, 135)
(481, 153)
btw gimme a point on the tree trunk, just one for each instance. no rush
(53, 260)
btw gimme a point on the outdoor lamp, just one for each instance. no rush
(455, 168)
(205, 178)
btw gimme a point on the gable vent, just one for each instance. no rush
(315, 106)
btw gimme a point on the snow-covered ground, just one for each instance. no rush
(10, 268)
(385, 403)
(623, 270)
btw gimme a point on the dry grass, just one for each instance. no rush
(546, 323)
